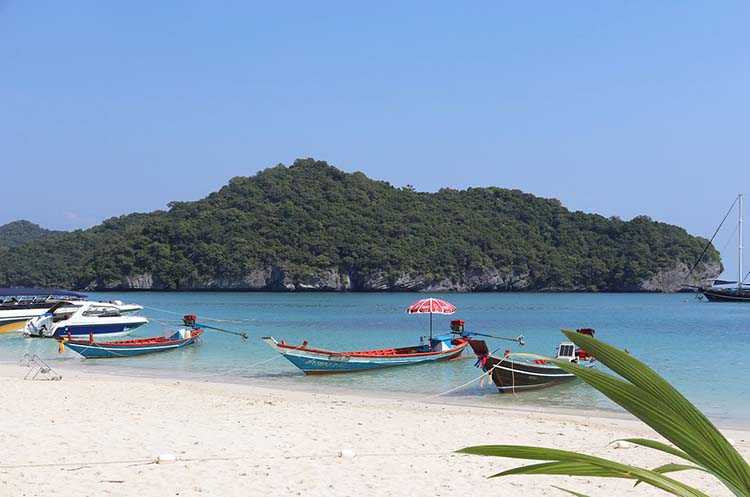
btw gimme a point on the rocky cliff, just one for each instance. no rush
(276, 279)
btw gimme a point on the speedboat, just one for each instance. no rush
(82, 320)
(126, 308)
(18, 305)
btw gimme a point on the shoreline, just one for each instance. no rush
(440, 399)
(95, 434)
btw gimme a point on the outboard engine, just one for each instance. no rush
(457, 325)
(39, 326)
(189, 319)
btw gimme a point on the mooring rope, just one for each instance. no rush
(203, 318)
(144, 461)
(232, 371)
(488, 373)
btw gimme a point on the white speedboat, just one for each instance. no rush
(83, 320)
(18, 305)
(125, 308)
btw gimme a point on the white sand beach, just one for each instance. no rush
(98, 435)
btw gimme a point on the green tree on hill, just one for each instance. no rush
(310, 219)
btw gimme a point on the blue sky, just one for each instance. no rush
(620, 108)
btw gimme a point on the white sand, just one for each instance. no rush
(97, 435)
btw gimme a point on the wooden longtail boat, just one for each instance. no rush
(127, 348)
(318, 361)
(172, 339)
(512, 375)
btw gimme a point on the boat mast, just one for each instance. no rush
(739, 279)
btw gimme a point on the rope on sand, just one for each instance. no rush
(143, 462)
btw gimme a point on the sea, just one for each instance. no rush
(702, 348)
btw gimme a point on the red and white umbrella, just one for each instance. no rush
(431, 306)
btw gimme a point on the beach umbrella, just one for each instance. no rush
(431, 306)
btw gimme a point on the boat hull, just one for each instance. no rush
(726, 295)
(514, 376)
(12, 320)
(511, 375)
(98, 330)
(129, 348)
(12, 325)
(313, 361)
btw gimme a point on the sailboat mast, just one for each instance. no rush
(739, 279)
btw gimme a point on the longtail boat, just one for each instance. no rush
(319, 361)
(512, 375)
(173, 339)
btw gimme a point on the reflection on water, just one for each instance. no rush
(700, 347)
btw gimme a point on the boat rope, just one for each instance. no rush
(487, 373)
(705, 249)
(249, 366)
(203, 318)
(731, 238)
(199, 376)
(145, 461)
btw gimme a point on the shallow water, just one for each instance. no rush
(701, 347)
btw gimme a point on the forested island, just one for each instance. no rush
(312, 227)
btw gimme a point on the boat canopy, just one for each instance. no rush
(39, 292)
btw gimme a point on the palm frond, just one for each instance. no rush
(650, 398)
(578, 464)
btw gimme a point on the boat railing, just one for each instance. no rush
(38, 369)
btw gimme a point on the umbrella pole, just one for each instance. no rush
(430, 326)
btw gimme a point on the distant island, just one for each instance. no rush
(312, 227)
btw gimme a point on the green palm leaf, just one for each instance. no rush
(580, 465)
(655, 402)
(692, 432)
(653, 444)
(653, 411)
(671, 468)
(569, 468)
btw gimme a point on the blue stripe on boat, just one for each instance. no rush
(98, 330)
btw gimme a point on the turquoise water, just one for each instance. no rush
(702, 348)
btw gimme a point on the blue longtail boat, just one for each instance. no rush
(174, 339)
(318, 361)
